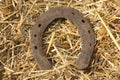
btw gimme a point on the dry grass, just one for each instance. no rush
(61, 41)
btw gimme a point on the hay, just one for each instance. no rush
(61, 41)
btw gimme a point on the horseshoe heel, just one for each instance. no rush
(83, 25)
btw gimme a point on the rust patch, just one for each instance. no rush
(85, 31)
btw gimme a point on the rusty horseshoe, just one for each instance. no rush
(85, 31)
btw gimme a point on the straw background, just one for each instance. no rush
(61, 41)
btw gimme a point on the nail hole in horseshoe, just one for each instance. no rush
(90, 44)
(73, 13)
(39, 25)
(83, 21)
(35, 35)
(35, 47)
(89, 31)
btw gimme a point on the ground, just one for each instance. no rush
(16, 59)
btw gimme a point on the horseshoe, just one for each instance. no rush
(85, 31)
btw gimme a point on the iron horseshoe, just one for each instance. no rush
(85, 31)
